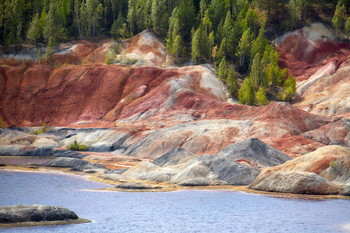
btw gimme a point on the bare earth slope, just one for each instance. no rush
(321, 65)
(148, 110)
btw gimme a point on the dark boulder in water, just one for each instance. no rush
(35, 214)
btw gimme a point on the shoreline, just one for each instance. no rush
(167, 187)
(44, 223)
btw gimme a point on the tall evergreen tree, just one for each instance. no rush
(200, 45)
(34, 31)
(347, 27)
(12, 20)
(54, 28)
(259, 44)
(231, 81)
(289, 88)
(159, 16)
(218, 11)
(119, 28)
(203, 7)
(260, 97)
(243, 51)
(339, 15)
(256, 73)
(174, 40)
(186, 16)
(222, 70)
(246, 92)
(228, 31)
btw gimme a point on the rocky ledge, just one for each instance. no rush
(34, 215)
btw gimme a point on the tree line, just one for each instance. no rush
(231, 34)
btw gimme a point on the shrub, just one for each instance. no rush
(110, 57)
(2, 123)
(77, 146)
(333, 164)
(43, 129)
(111, 53)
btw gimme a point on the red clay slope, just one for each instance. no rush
(306, 50)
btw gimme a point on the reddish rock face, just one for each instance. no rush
(70, 94)
(164, 108)
(321, 65)
(305, 51)
(62, 96)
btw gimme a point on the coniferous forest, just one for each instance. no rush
(234, 35)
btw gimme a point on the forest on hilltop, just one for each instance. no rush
(234, 35)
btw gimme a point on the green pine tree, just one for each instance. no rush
(246, 92)
(222, 70)
(160, 17)
(34, 31)
(289, 88)
(260, 97)
(347, 27)
(243, 50)
(256, 72)
(200, 45)
(178, 48)
(339, 15)
(231, 81)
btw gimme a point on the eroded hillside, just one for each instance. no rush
(140, 108)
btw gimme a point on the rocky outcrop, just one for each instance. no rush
(255, 153)
(231, 172)
(174, 157)
(29, 215)
(320, 62)
(136, 186)
(295, 182)
(327, 93)
(337, 133)
(324, 171)
(96, 92)
(306, 50)
(178, 118)
(73, 163)
(144, 49)
(240, 163)
(152, 110)
(237, 164)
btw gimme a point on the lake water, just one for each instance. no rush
(180, 211)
